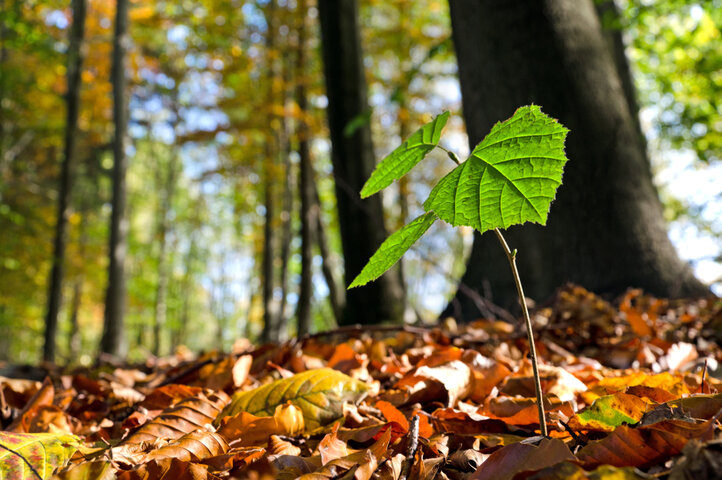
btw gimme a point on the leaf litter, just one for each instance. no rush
(631, 392)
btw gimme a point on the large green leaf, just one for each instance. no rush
(319, 394)
(399, 162)
(32, 455)
(393, 249)
(510, 178)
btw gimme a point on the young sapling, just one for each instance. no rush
(510, 178)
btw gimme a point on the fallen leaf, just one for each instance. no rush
(88, 471)
(638, 447)
(506, 462)
(29, 455)
(184, 417)
(319, 394)
(609, 412)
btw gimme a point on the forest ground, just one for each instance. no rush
(631, 391)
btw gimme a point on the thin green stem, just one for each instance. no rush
(450, 154)
(511, 256)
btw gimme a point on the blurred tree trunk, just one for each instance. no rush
(306, 185)
(55, 285)
(112, 341)
(168, 182)
(335, 295)
(271, 317)
(605, 230)
(361, 221)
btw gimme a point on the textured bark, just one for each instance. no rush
(305, 190)
(113, 341)
(55, 285)
(361, 221)
(605, 230)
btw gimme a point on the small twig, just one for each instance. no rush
(411, 448)
(32, 469)
(511, 256)
(450, 154)
(704, 377)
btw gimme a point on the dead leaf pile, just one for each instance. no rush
(631, 392)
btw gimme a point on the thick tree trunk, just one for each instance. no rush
(361, 221)
(75, 68)
(605, 230)
(112, 341)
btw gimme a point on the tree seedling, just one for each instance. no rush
(510, 178)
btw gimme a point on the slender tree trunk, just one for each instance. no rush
(164, 226)
(335, 296)
(305, 188)
(185, 292)
(287, 205)
(271, 328)
(74, 339)
(75, 68)
(361, 221)
(112, 341)
(605, 230)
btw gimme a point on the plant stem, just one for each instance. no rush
(530, 335)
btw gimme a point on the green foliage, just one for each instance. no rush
(399, 162)
(320, 394)
(510, 178)
(394, 248)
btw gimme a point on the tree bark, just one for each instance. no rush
(605, 230)
(305, 189)
(361, 221)
(113, 342)
(335, 295)
(271, 327)
(75, 68)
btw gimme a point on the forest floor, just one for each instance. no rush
(631, 391)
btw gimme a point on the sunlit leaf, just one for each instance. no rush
(393, 249)
(399, 162)
(609, 412)
(510, 178)
(318, 393)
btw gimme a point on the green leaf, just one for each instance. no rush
(610, 411)
(32, 455)
(319, 394)
(399, 162)
(510, 178)
(393, 249)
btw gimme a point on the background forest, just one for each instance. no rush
(215, 215)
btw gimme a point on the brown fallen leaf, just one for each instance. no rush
(506, 462)
(186, 416)
(447, 383)
(192, 447)
(638, 447)
(168, 469)
(42, 398)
